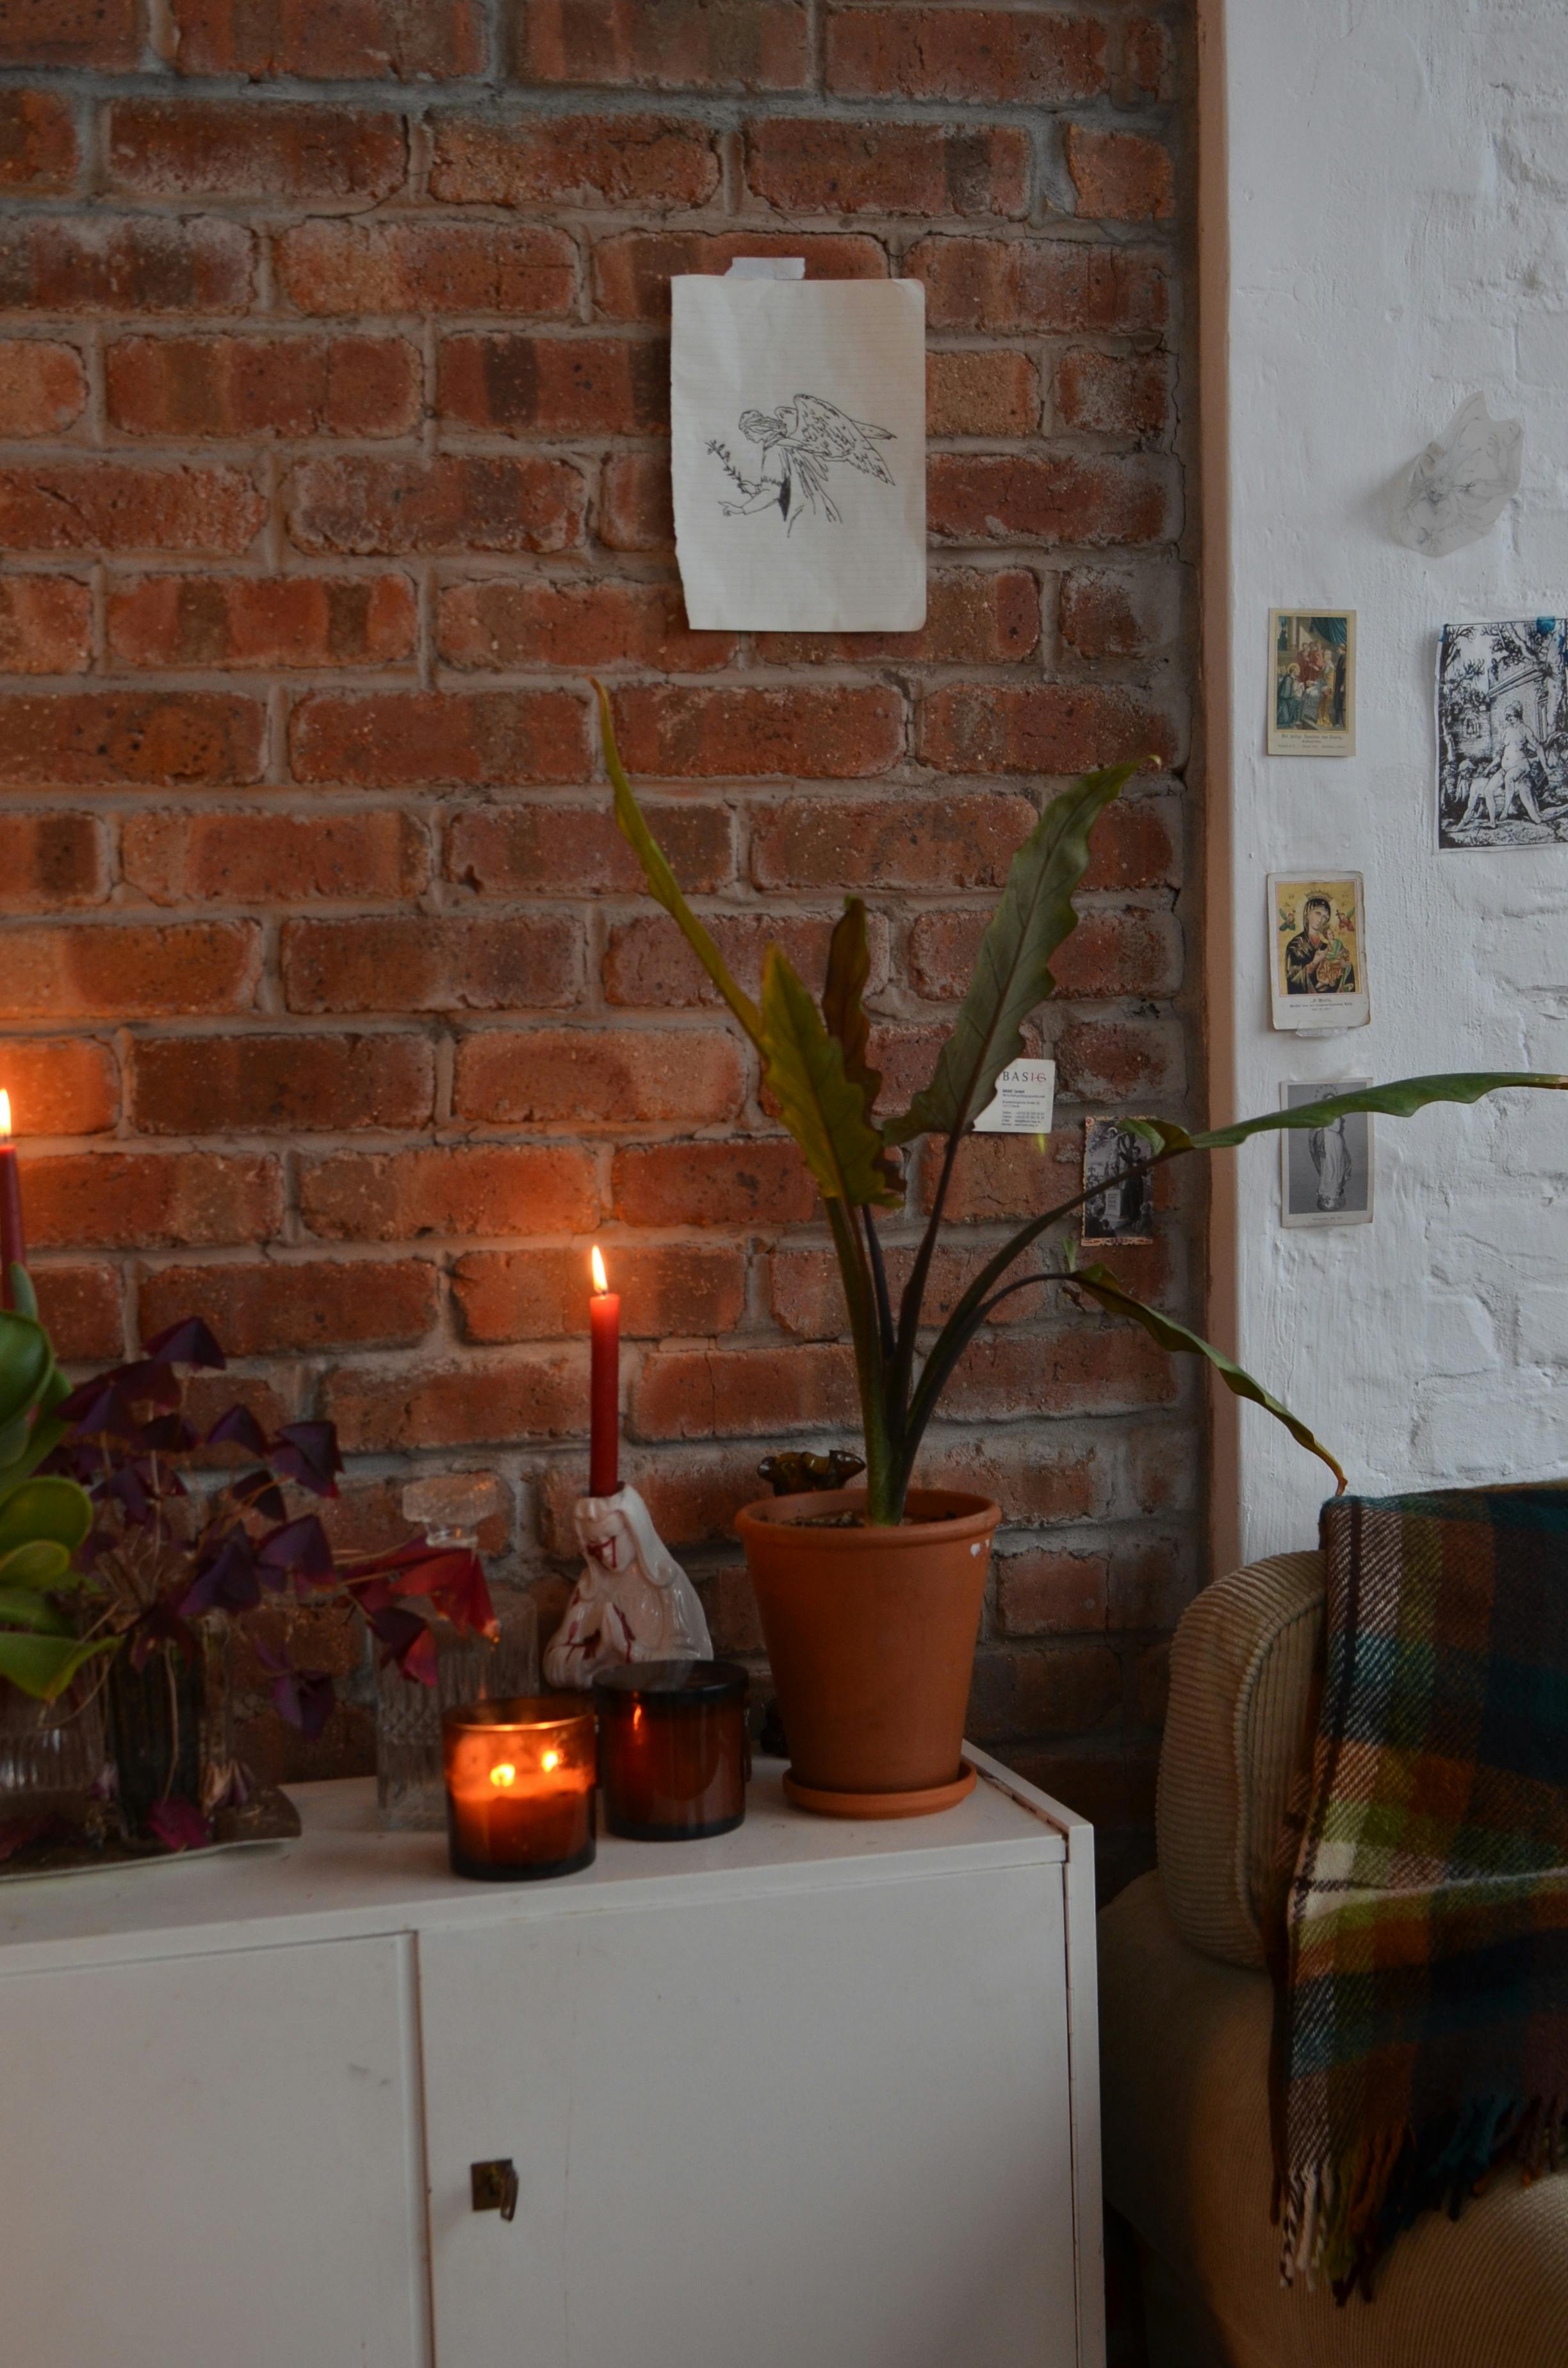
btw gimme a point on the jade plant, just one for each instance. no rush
(44, 1521)
(817, 1069)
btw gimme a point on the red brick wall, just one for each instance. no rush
(333, 399)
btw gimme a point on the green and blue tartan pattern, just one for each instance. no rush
(1422, 2024)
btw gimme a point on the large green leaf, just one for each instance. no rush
(40, 1563)
(1103, 1286)
(822, 1109)
(44, 1666)
(26, 1607)
(849, 968)
(1012, 972)
(25, 1359)
(45, 1508)
(665, 887)
(1401, 1100)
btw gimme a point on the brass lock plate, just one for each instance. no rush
(494, 2186)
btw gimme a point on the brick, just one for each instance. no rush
(426, 266)
(904, 842)
(802, 165)
(46, 624)
(1032, 284)
(329, 40)
(1005, 1376)
(730, 1605)
(1136, 843)
(250, 858)
(1038, 1479)
(48, 860)
(535, 849)
(499, 1402)
(1048, 728)
(106, 739)
(829, 734)
(669, 45)
(1148, 64)
(397, 739)
(1107, 956)
(648, 161)
(432, 962)
(262, 1309)
(806, 1295)
(60, 1084)
(1121, 175)
(292, 1083)
(999, 1179)
(693, 1497)
(138, 1200)
(237, 148)
(127, 972)
(763, 1184)
(369, 1518)
(636, 503)
(1034, 56)
(95, 264)
(526, 621)
(1051, 1591)
(1115, 613)
(649, 965)
(102, 33)
(596, 1076)
(38, 143)
(263, 620)
(553, 386)
(994, 391)
(1113, 394)
(458, 503)
(1048, 497)
(743, 1393)
(1065, 1688)
(1121, 1060)
(453, 1190)
(42, 387)
(973, 617)
(79, 1308)
(246, 387)
(633, 271)
(680, 1290)
(1150, 1585)
(116, 505)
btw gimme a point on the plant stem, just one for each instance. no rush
(880, 1282)
(884, 1494)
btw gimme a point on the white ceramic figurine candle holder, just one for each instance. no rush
(633, 1601)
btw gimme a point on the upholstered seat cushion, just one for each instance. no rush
(1187, 2159)
(1243, 1672)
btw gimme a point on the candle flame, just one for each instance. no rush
(549, 1760)
(601, 1282)
(5, 1111)
(504, 1774)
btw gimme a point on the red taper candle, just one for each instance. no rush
(604, 1385)
(13, 1242)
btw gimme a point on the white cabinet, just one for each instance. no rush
(810, 2092)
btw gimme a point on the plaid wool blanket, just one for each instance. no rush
(1421, 2033)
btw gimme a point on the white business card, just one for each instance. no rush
(1022, 1104)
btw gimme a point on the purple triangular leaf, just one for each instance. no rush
(178, 1825)
(305, 1698)
(307, 1451)
(300, 1546)
(238, 1428)
(258, 1492)
(225, 1578)
(188, 1342)
(150, 1381)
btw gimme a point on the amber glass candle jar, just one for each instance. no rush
(673, 1756)
(519, 1779)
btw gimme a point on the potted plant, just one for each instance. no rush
(870, 1598)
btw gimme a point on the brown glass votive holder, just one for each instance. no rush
(519, 1778)
(672, 1754)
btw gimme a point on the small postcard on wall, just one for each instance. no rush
(1312, 682)
(1503, 735)
(1317, 951)
(798, 442)
(1325, 1172)
(1122, 1208)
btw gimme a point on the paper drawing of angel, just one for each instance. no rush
(801, 441)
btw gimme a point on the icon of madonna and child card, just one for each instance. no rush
(1317, 951)
(1503, 735)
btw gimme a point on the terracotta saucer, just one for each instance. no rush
(922, 1803)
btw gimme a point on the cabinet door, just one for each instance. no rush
(818, 2129)
(209, 2162)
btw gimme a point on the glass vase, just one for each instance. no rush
(170, 1726)
(410, 1786)
(50, 1753)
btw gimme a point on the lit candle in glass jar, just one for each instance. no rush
(672, 1754)
(519, 1779)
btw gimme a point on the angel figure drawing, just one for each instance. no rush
(801, 443)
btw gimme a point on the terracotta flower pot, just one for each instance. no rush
(870, 1633)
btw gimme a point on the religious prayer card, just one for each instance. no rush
(1503, 735)
(1325, 1172)
(1317, 951)
(797, 438)
(1312, 682)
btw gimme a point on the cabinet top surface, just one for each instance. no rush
(345, 1875)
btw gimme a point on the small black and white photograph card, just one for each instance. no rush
(798, 442)
(1325, 1172)
(1122, 1207)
